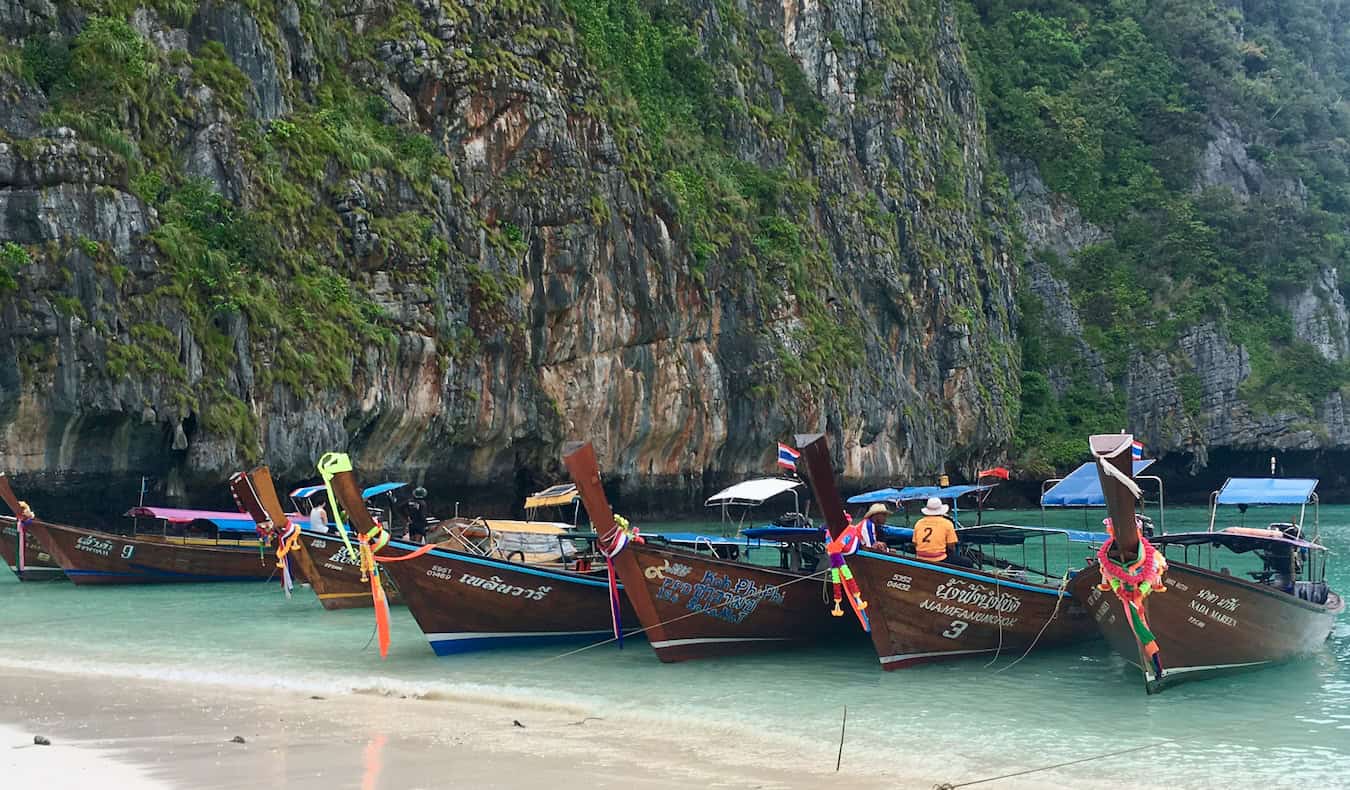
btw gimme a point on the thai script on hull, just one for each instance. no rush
(978, 595)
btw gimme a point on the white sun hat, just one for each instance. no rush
(935, 507)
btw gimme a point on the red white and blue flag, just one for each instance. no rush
(787, 457)
(1137, 450)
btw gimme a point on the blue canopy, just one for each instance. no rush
(914, 493)
(1266, 491)
(1082, 488)
(305, 492)
(382, 488)
(784, 534)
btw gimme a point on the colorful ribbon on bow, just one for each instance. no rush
(287, 541)
(620, 537)
(841, 576)
(1132, 583)
(374, 539)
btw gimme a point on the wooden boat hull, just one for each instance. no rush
(922, 613)
(335, 575)
(696, 606)
(92, 557)
(38, 564)
(463, 602)
(1209, 624)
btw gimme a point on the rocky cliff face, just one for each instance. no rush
(440, 235)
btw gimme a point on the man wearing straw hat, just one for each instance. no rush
(935, 537)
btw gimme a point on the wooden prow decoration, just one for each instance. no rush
(820, 473)
(7, 494)
(585, 471)
(256, 494)
(1115, 449)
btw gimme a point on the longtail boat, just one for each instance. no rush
(19, 547)
(465, 599)
(332, 569)
(224, 553)
(695, 604)
(1179, 621)
(925, 611)
(334, 572)
(224, 548)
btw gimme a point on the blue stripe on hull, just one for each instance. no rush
(149, 573)
(450, 647)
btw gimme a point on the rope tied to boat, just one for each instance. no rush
(1060, 594)
(1132, 583)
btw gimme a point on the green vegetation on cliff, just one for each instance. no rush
(1116, 103)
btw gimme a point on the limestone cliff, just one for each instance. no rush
(449, 236)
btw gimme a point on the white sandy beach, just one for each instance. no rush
(143, 735)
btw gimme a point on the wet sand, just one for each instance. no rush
(143, 735)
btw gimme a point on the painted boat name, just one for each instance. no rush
(1215, 608)
(720, 595)
(978, 595)
(493, 584)
(94, 545)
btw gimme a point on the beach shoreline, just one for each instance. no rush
(152, 735)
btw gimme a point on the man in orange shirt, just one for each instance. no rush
(935, 537)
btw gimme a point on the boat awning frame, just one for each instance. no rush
(1081, 488)
(1243, 491)
(553, 496)
(916, 493)
(749, 493)
(305, 492)
(1266, 491)
(224, 521)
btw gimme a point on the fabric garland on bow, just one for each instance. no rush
(21, 522)
(1132, 583)
(620, 537)
(287, 541)
(374, 539)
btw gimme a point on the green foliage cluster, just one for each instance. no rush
(1114, 102)
(12, 258)
(734, 212)
(277, 265)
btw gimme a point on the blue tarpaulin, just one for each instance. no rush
(382, 488)
(1082, 488)
(1266, 491)
(785, 534)
(306, 492)
(914, 493)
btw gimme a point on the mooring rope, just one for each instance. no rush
(1059, 600)
(1229, 726)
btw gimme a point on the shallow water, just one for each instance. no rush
(1284, 727)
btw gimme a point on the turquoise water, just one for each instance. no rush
(1284, 727)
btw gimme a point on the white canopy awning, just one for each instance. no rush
(752, 492)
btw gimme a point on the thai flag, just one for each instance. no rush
(1137, 450)
(787, 457)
